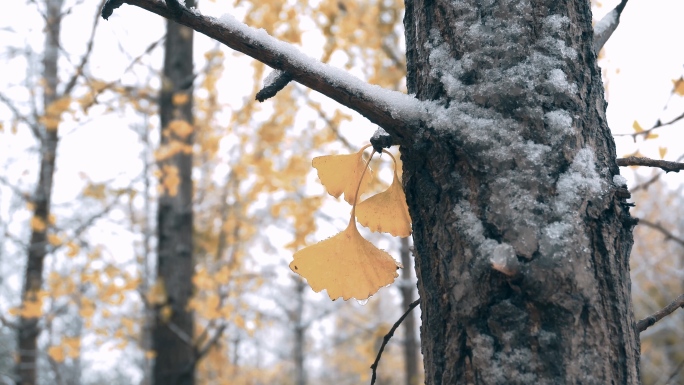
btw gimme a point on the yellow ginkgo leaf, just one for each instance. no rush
(662, 151)
(679, 86)
(341, 174)
(387, 211)
(346, 265)
(637, 127)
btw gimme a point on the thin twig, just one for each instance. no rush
(660, 314)
(388, 336)
(20, 117)
(657, 226)
(180, 333)
(648, 162)
(674, 373)
(205, 349)
(86, 56)
(657, 125)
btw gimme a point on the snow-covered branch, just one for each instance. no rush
(394, 111)
(607, 25)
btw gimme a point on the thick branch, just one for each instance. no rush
(394, 111)
(648, 162)
(660, 314)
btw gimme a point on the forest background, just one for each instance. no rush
(256, 198)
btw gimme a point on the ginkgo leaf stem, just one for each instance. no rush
(393, 159)
(356, 195)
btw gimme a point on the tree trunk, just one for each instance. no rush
(299, 333)
(33, 276)
(522, 247)
(172, 338)
(409, 324)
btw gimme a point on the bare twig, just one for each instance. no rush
(660, 314)
(674, 373)
(388, 336)
(647, 184)
(19, 116)
(86, 56)
(657, 226)
(648, 162)
(374, 103)
(657, 125)
(205, 349)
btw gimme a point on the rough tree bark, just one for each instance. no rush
(33, 276)
(172, 338)
(521, 242)
(521, 246)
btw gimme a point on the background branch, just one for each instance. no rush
(648, 162)
(660, 314)
(388, 336)
(657, 226)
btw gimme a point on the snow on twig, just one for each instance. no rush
(607, 25)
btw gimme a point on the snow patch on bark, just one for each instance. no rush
(518, 364)
(619, 180)
(579, 182)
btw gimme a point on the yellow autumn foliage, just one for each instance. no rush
(386, 211)
(342, 174)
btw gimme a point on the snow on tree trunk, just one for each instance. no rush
(172, 338)
(521, 245)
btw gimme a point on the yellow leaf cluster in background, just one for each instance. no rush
(32, 307)
(70, 347)
(38, 224)
(181, 128)
(157, 294)
(347, 265)
(169, 180)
